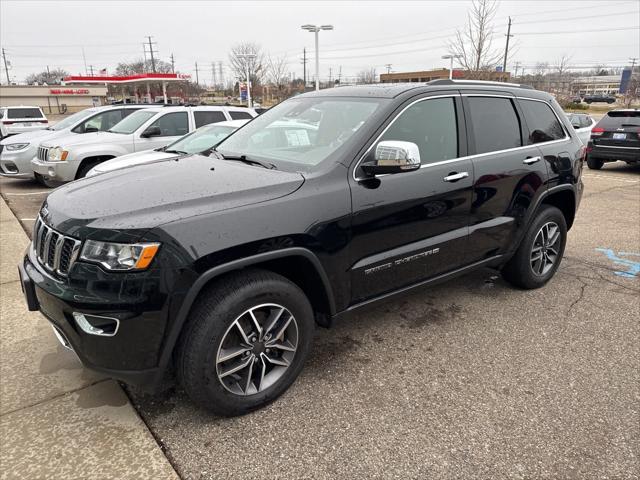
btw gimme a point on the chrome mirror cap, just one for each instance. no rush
(393, 156)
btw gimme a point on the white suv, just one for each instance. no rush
(71, 157)
(17, 151)
(21, 119)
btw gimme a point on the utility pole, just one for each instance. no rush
(633, 63)
(213, 74)
(197, 80)
(340, 74)
(506, 49)
(48, 72)
(153, 61)
(6, 68)
(304, 67)
(329, 77)
(84, 59)
(516, 66)
(91, 69)
(220, 76)
(173, 64)
(388, 67)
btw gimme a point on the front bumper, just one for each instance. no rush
(64, 171)
(17, 164)
(132, 354)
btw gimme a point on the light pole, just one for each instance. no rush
(247, 57)
(316, 29)
(451, 57)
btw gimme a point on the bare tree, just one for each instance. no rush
(141, 66)
(562, 65)
(50, 77)
(278, 71)
(473, 44)
(367, 76)
(256, 63)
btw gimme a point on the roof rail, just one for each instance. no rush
(446, 81)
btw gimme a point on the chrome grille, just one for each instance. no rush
(43, 153)
(56, 252)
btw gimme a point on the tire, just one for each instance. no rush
(42, 180)
(212, 329)
(594, 163)
(85, 167)
(521, 270)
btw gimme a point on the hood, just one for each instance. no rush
(71, 139)
(137, 158)
(148, 195)
(34, 136)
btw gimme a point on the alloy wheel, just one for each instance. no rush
(546, 248)
(257, 349)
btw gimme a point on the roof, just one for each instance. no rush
(230, 123)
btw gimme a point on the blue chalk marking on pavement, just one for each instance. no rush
(633, 267)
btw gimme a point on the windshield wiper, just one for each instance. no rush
(248, 161)
(176, 151)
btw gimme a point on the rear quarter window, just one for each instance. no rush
(240, 115)
(543, 124)
(24, 113)
(207, 117)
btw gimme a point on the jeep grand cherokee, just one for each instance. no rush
(218, 267)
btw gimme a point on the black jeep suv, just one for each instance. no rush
(215, 268)
(615, 137)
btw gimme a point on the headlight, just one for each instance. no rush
(12, 147)
(57, 154)
(119, 256)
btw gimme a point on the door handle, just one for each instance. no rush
(454, 177)
(531, 160)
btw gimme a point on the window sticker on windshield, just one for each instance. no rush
(297, 138)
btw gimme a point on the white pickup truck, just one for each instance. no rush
(71, 157)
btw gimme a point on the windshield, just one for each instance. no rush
(202, 139)
(132, 122)
(73, 119)
(302, 131)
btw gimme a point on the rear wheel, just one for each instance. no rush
(245, 342)
(540, 253)
(594, 163)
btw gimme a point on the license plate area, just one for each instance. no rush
(619, 136)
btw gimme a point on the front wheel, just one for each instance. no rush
(42, 180)
(245, 342)
(540, 253)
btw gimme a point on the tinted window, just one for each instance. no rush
(496, 125)
(543, 125)
(617, 119)
(128, 111)
(172, 124)
(430, 124)
(24, 113)
(133, 122)
(240, 115)
(205, 118)
(101, 122)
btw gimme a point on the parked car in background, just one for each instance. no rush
(582, 123)
(14, 120)
(218, 268)
(204, 138)
(17, 151)
(615, 137)
(70, 157)
(599, 98)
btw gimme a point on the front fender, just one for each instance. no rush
(79, 153)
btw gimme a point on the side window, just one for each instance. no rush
(586, 121)
(207, 117)
(430, 124)
(542, 122)
(128, 111)
(172, 124)
(496, 125)
(240, 115)
(102, 121)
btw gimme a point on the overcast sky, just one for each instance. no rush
(408, 35)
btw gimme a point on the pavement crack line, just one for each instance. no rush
(600, 192)
(583, 287)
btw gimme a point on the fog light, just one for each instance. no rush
(97, 325)
(52, 172)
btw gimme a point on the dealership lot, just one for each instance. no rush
(468, 379)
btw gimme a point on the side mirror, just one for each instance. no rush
(90, 129)
(152, 131)
(393, 156)
(576, 127)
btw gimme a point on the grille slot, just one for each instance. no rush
(56, 252)
(43, 153)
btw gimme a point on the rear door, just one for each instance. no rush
(509, 174)
(205, 117)
(412, 226)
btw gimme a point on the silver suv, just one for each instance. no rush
(70, 157)
(17, 151)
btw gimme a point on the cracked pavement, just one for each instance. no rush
(469, 379)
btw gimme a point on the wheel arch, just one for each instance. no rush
(298, 264)
(91, 159)
(564, 199)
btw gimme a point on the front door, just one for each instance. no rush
(172, 126)
(411, 226)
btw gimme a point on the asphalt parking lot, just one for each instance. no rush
(470, 379)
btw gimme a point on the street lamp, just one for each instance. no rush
(315, 29)
(451, 57)
(247, 57)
